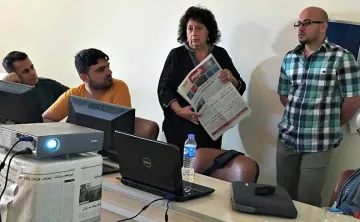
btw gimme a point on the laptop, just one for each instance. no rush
(154, 167)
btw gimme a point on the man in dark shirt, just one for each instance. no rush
(20, 69)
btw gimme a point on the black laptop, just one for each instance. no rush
(154, 167)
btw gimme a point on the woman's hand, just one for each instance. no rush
(185, 112)
(226, 76)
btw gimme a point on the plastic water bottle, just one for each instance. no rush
(189, 156)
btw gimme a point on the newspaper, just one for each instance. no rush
(221, 106)
(55, 189)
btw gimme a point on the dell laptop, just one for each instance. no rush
(154, 167)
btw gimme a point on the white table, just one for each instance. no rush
(119, 201)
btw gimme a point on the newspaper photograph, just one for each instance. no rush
(221, 106)
(63, 190)
(90, 192)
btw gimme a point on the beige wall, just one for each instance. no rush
(137, 35)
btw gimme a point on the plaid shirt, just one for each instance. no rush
(315, 88)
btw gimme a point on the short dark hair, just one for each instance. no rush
(204, 16)
(88, 57)
(8, 61)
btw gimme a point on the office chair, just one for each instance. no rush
(241, 168)
(146, 128)
(343, 177)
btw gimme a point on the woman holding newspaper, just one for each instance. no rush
(198, 33)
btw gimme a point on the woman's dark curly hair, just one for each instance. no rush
(203, 16)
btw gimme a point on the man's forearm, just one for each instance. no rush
(346, 115)
(283, 100)
(48, 117)
(12, 77)
(348, 109)
(46, 120)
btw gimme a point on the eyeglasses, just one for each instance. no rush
(306, 23)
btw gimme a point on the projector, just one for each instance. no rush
(51, 139)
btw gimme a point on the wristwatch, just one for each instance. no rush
(239, 86)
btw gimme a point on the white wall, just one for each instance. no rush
(137, 35)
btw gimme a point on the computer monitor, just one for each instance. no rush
(19, 104)
(102, 116)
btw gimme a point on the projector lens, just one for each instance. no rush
(52, 144)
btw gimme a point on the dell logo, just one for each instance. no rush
(94, 141)
(147, 162)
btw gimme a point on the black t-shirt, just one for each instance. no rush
(49, 91)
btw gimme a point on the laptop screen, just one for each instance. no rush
(149, 162)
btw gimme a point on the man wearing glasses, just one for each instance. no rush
(319, 86)
(20, 69)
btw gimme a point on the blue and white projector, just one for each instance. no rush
(51, 139)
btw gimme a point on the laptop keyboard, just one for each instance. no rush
(191, 188)
(108, 169)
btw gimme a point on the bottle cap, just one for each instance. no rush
(357, 215)
(191, 136)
